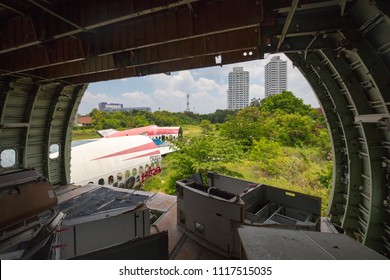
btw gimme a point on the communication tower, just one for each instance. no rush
(188, 103)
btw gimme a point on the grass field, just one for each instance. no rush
(191, 130)
(81, 134)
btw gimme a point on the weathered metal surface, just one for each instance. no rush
(118, 215)
(23, 195)
(227, 203)
(71, 40)
(272, 244)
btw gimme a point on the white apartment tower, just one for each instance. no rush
(238, 92)
(275, 76)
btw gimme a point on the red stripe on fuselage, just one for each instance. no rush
(140, 148)
(145, 155)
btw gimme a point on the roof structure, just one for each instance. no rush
(84, 120)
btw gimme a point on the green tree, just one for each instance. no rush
(98, 119)
(265, 152)
(246, 126)
(165, 118)
(203, 154)
(286, 102)
(325, 176)
(140, 120)
(255, 102)
(292, 129)
(206, 126)
(93, 112)
(219, 116)
(119, 119)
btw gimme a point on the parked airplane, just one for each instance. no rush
(155, 132)
(124, 162)
(160, 135)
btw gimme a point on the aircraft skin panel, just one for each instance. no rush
(136, 149)
(113, 157)
(144, 155)
(150, 130)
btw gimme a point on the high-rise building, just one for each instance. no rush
(275, 76)
(238, 92)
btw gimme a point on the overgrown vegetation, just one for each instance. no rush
(81, 133)
(280, 141)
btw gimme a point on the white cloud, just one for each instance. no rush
(205, 94)
(169, 100)
(137, 95)
(206, 84)
(207, 88)
(181, 80)
(91, 97)
(137, 99)
(256, 91)
(300, 87)
(204, 102)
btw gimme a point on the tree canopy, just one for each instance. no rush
(286, 102)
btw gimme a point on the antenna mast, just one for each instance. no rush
(188, 103)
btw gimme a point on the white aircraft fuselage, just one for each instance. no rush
(119, 161)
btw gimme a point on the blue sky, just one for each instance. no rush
(207, 89)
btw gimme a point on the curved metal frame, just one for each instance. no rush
(351, 83)
(33, 117)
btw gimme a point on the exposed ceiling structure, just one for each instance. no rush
(76, 42)
(50, 50)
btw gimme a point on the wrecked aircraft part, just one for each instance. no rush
(118, 215)
(228, 203)
(28, 223)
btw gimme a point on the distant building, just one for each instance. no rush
(275, 76)
(84, 121)
(113, 107)
(238, 92)
(108, 107)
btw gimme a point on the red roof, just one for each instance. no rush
(84, 120)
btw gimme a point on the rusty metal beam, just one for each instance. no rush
(286, 26)
(148, 33)
(47, 10)
(49, 54)
(11, 8)
(213, 45)
(81, 16)
(18, 33)
(176, 26)
(164, 67)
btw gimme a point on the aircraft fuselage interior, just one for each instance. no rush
(51, 50)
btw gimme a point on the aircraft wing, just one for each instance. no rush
(166, 148)
(105, 132)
